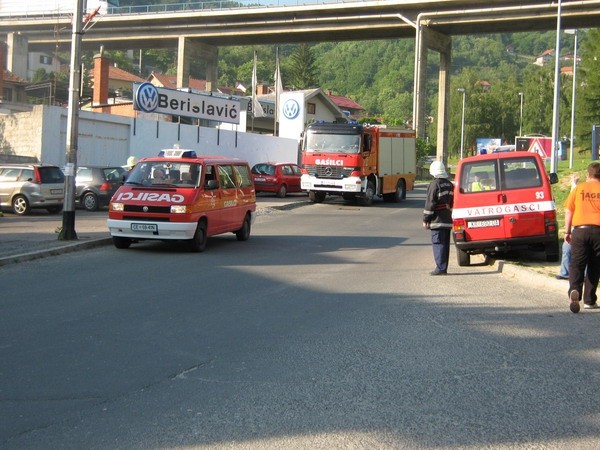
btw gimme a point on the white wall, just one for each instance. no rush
(109, 140)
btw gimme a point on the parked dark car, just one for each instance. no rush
(279, 178)
(27, 186)
(95, 185)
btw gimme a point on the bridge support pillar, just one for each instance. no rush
(427, 39)
(189, 50)
(17, 47)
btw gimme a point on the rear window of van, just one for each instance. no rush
(492, 175)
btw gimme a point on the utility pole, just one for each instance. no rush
(555, 109)
(68, 227)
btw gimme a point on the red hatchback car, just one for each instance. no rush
(279, 178)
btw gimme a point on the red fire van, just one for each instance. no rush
(503, 201)
(181, 196)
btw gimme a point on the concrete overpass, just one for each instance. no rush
(198, 34)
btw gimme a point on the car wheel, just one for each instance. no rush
(54, 209)
(20, 205)
(198, 242)
(121, 242)
(463, 258)
(90, 201)
(367, 198)
(243, 234)
(282, 191)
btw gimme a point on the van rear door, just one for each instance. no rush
(480, 200)
(525, 196)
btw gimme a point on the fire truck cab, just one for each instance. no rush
(180, 196)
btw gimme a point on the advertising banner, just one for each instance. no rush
(149, 98)
(487, 145)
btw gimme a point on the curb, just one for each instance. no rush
(69, 248)
(533, 278)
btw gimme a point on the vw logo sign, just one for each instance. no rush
(146, 97)
(291, 109)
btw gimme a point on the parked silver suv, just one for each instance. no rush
(27, 186)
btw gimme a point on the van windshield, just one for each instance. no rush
(165, 173)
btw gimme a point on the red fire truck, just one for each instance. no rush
(358, 162)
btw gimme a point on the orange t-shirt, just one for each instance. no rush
(584, 201)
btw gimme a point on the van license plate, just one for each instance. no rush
(56, 191)
(484, 223)
(144, 227)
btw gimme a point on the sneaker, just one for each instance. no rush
(574, 299)
(561, 277)
(590, 306)
(438, 272)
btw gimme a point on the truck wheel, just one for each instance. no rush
(243, 234)
(463, 258)
(121, 242)
(551, 250)
(367, 198)
(398, 194)
(316, 197)
(198, 242)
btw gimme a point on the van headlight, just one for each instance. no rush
(114, 206)
(178, 209)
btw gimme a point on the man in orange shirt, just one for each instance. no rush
(582, 231)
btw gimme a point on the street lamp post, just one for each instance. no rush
(573, 97)
(521, 116)
(462, 127)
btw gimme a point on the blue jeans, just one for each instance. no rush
(565, 261)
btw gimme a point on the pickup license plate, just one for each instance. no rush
(484, 223)
(144, 227)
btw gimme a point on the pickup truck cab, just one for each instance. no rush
(180, 196)
(503, 201)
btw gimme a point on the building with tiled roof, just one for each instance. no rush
(346, 104)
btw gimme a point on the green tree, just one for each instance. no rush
(588, 93)
(302, 69)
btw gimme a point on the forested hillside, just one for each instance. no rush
(379, 75)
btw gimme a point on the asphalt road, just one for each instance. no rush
(324, 330)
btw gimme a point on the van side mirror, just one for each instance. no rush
(553, 178)
(211, 185)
